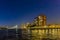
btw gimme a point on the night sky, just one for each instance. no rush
(14, 12)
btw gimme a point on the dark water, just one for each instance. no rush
(13, 35)
(10, 34)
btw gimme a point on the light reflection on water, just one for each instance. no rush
(9, 34)
(46, 34)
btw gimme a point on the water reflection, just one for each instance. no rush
(46, 34)
(10, 34)
(35, 35)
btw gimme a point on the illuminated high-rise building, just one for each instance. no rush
(40, 20)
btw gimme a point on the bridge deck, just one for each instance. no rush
(37, 28)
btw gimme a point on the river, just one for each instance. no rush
(10, 34)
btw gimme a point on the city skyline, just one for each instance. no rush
(16, 12)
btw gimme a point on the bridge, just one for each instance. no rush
(41, 28)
